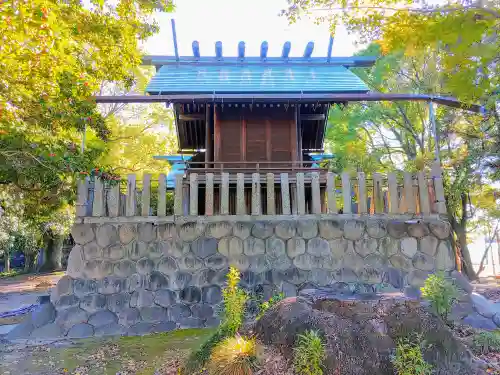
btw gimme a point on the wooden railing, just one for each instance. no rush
(313, 192)
(254, 166)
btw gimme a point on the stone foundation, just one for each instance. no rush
(140, 275)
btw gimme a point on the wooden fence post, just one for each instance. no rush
(209, 194)
(146, 194)
(271, 204)
(393, 193)
(362, 199)
(178, 199)
(346, 192)
(98, 204)
(301, 195)
(285, 194)
(437, 177)
(193, 194)
(162, 195)
(224, 194)
(256, 199)
(331, 193)
(82, 197)
(241, 208)
(316, 193)
(113, 200)
(423, 193)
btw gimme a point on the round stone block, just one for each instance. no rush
(441, 229)
(318, 247)
(285, 230)
(258, 263)
(75, 262)
(241, 262)
(330, 229)
(164, 327)
(295, 246)
(181, 280)
(153, 314)
(167, 231)
(190, 323)
(229, 246)
(179, 311)
(146, 232)
(216, 262)
(375, 260)
(304, 262)
(190, 263)
(191, 231)
(242, 230)
(213, 321)
(112, 329)
(106, 235)
(338, 247)
(140, 329)
(113, 252)
(79, 331)
(98, 269)
(354, 229)
(124, 268)
(156, 280)
(423, 262)
(417, 278)
(167, 265)
(128, 316)
(82, 287)
(174, 248)
(155, 250)
(462, 281)
(275, 247)
(409, 246)
(93, 302)
(48, 331)
(102, 318)
(395, 277)
(63, 287)
(137, 250)
(331, 263)
(254, 246)
(353, 261)
(69, 317)
(119, 301)
(365, 246)
(345, 275)
(376, 228)
(321, 277)
(445, 258)
(418, 230)
(293, 275)
(249, 279)
(142, 298)
(204, 247)
(388, 246)
(137, 282)
(307, 229)
(127, 233)
(82, 233)
(191, 294)
(204, 277)
(145, 266)
(401, 262)
(262, 230)
(396, 228)
(92, 251)
(211, 294)
(219, 230)
(428, 245)
(165, 297)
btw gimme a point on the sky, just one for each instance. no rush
(232, 21)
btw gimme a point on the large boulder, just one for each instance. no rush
(361, 331)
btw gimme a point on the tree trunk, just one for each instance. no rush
(6, 257)
(29, 262)
(467, 267)
(52, 253)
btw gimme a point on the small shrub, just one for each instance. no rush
(408, 359)
(486, 342)
(441, 293)
(309, 354)
(264, 306)
(233, 356)
(235, 300)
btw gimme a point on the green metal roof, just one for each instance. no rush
(193, 78)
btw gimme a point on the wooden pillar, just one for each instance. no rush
(208, 136)
(217, 131)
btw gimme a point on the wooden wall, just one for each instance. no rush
(260, 134)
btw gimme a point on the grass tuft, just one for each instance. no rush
(309, 354)
(233, 356)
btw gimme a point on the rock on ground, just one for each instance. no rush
(361, 331)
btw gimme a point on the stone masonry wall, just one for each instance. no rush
(129, 277)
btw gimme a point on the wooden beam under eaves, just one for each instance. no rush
(192, 117)
(312, 117)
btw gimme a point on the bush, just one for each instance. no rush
(235, 300)
(309, 354)
(486, 342)
(409, 360)
(232, 318)
(441, 293)
(264, 306)
(233, 356)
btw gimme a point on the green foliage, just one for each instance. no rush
(233, 356)
(266, 305)
(235, 300)
(485, 342)
(409, 360)
(441, 293)
(10, 273)
(309, 354)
